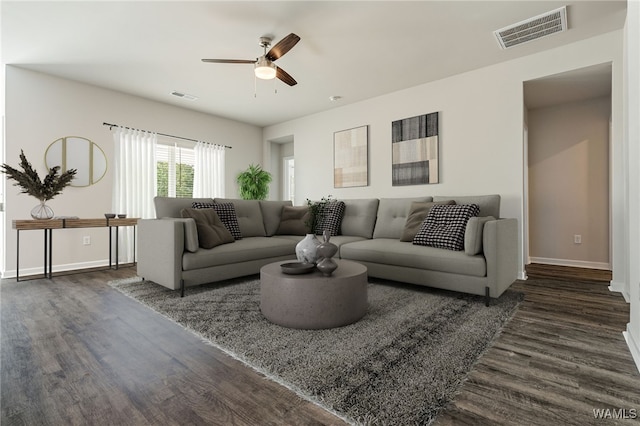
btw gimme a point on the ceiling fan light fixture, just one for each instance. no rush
(265, 69)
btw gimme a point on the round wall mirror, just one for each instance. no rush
(73, 152)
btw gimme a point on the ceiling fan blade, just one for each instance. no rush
(230, 61)
(282, 47)
(285, 77)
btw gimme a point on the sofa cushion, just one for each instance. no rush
(445, 225)
(387, 251)
(359, 217)
(294, 221)
(211, 230)
(417, 213)
(392, 216)
(271, 215)
(244, 250)
(473, 234)
(172, 207)
(489, 204)
(331, 219)
(249, 216)
(227, 214)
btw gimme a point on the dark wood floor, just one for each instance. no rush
(75, 351)
(561, 357)
(567, 273)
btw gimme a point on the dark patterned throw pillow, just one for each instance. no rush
(445, 225)
(227, 214)
(331, 218)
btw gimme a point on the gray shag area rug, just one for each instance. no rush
(399, 365)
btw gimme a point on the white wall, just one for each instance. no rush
(632, 167)
(42, 108)
(569, 183)
(481, 122)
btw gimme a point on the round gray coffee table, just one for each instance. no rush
(313, 301)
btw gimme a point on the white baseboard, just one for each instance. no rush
(572, 263)
(24, 272)
(634, 346)
(619, 287)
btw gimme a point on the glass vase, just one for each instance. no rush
(42, 211)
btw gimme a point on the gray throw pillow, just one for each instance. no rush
(272, 214)
(417, 213)
(211, 230)
(294, 221)
(227, 214)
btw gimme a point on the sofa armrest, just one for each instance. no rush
(500, 244)
(161, 244)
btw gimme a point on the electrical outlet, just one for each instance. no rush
(577, 239)
(86, 240)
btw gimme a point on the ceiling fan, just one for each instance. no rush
(264, 67)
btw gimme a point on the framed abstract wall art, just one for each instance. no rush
(351, 157)
(415, 149)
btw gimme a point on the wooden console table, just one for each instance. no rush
(49, 225)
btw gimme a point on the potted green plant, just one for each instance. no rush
(43, 190)
(254, 183)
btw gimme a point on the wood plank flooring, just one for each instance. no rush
(567, 273)
(561, 357)
(75, 351)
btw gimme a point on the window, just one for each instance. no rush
(288, 179)
(175, 165)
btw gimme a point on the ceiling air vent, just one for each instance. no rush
(533, 29)
(184, 96)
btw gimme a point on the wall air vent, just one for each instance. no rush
(533, 29)
(184, 96)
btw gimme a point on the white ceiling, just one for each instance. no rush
(354, 49)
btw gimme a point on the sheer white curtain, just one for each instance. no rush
(208, 179)
(134, 181)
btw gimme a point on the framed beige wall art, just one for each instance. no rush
(351, 157)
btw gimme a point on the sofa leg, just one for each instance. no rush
(181, 288)
(487, 296)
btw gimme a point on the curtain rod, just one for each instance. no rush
(163, 134)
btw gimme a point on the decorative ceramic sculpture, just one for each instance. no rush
(325, 252)
(306, 250)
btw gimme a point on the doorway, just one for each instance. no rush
(281, 165)
(567, 181)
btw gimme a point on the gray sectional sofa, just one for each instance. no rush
(168, 251)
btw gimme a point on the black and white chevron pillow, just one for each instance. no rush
(331, 219)
(227, 214)
(445, 225)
